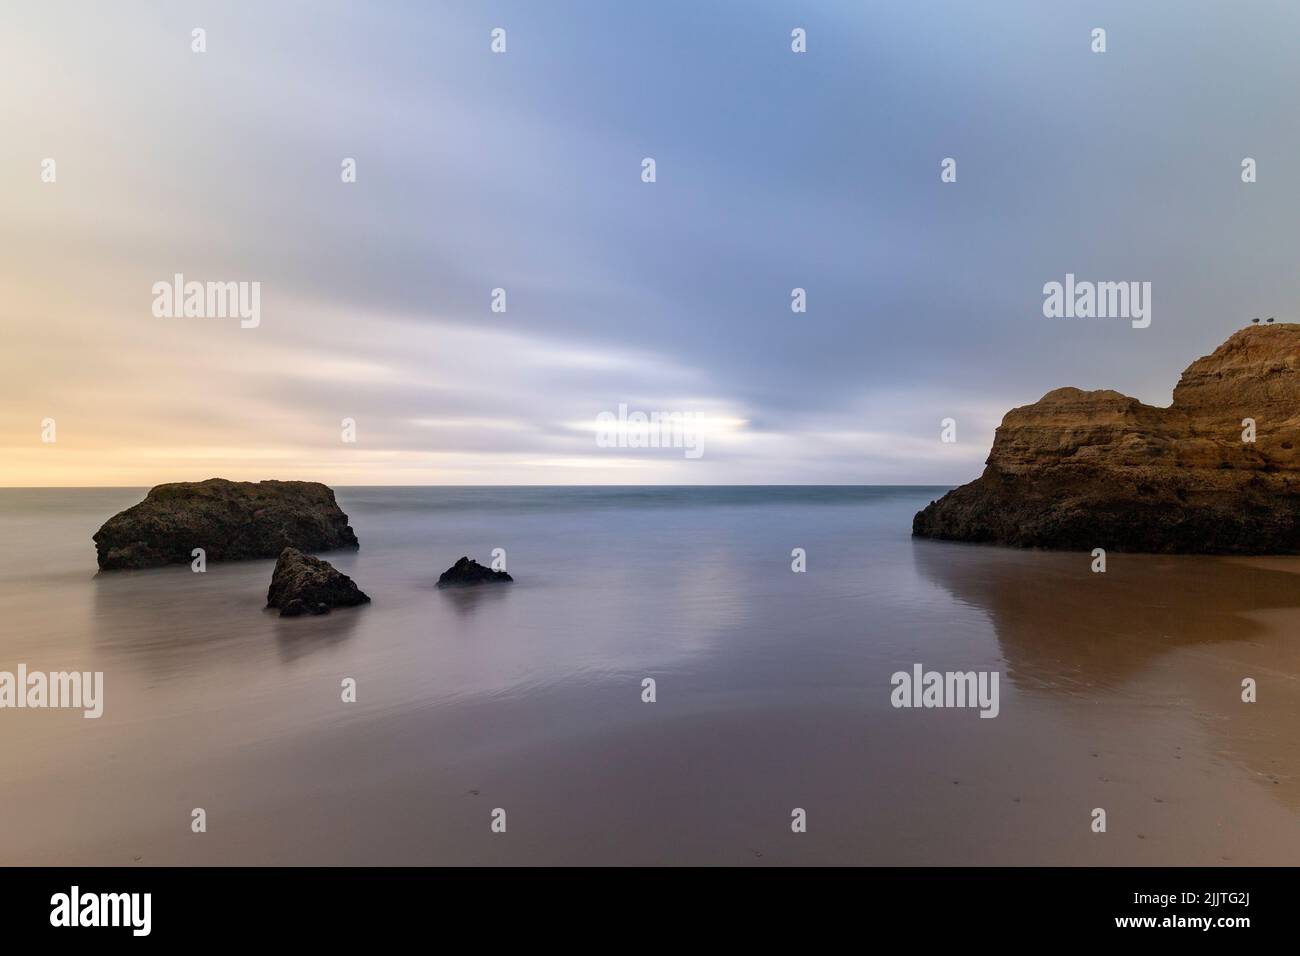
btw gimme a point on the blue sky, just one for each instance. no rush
(522, 171)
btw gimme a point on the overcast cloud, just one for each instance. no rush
(522, 171)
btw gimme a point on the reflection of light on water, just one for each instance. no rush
(706, 596)
(1154, 635)
(536, 685)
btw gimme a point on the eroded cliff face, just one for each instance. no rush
(1080, 470)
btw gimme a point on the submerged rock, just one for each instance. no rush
(229, 520)
(1081, 470)
(468, 572)
(302, 584)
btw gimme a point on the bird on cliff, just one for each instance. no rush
(1255, 320)
(1269, 319)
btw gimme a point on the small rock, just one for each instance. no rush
(301, 583)
(468, 572)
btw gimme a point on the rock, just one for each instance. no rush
(467, 572)
(301, 584)
(1081, 470)
(229, 520)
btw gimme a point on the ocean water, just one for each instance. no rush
(1119, 691)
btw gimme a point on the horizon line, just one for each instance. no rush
(606, 485)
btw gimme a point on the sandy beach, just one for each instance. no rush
(1119, 691)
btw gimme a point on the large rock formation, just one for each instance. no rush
(466, 572)
(1080, 470)
(303, 584)
(229, 520)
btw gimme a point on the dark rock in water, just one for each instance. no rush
(1218, 471)
(229, 520)
(467, 572)
(303, 584)
(298, 607)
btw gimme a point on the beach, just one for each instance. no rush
(1119, 691)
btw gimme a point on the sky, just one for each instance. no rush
(522, 171)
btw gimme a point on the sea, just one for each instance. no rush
(677, 675)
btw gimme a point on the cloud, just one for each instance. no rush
(522, 172)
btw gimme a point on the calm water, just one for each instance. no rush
(1119, 691)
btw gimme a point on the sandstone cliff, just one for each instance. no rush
(229, 520)
(1080, 470)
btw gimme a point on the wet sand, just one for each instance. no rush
(1119, 691)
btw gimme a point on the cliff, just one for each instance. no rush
(1079, 470)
